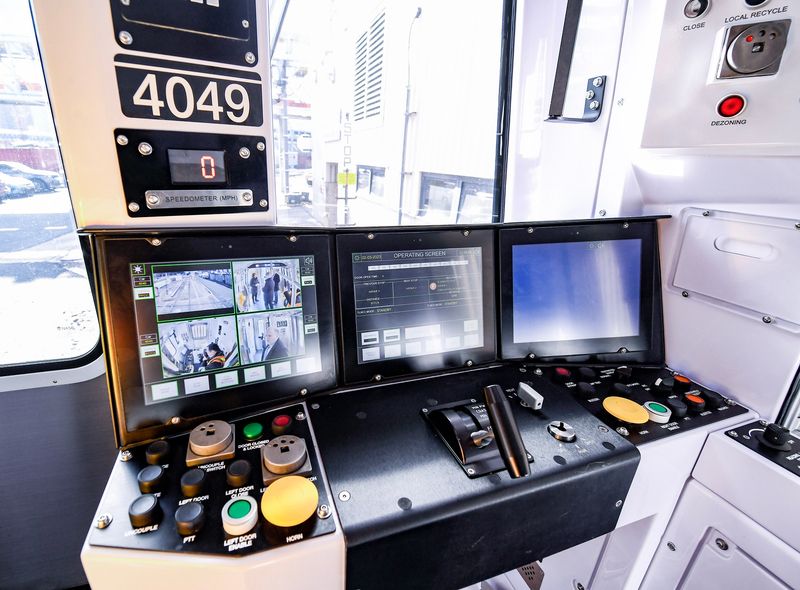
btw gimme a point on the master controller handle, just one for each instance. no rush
(506, 432)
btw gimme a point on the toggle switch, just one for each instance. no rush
(530, 396)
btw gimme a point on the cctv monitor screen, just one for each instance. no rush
(415, 301)
(578, 290)
(208, 323)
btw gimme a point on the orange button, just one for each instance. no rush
(695, 398)
(682, 379)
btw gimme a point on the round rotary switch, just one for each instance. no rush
(561, 431)
(586, 390)
(284, 454)
(190, 518)
(713, 399)
(623, 374)
(156, 452)
(239, 515)
(149, 478)
(664, 386)
(587, 373)
(192, 482)
(210, 438)
(144, 511)
(774, 437)
(677, 407)
(238, 473)
(625, 410)
(289, 501)
(695, 403)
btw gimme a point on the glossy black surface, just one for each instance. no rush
(749, 435)
(210, 538)
(640, 386)
(415, 520)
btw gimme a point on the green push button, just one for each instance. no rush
(253, 431)
(239, 509)
(656, 407)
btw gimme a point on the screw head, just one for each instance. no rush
(684, 293)
(579, 586)
(538, 372)
(145, 148)
(797, 225)
(263, 203)
(602, 428)
(247, 196)
(531, 356)
(246, 24)
(244, 153)
(122, 139)
(465, 232)
(152, 199)
(370, 236)
(594, 105)
(597, 82)
(626, 225)
(618, 503)
(721, 544)
(304, 391)
(602, 213)
(671, 546)
(300, 416)
(469, 363)
(125, 456)
(767, 319)
(530, 230)
(155, 242)
(323, 511)
(706, 213)
(133, 207)
(470, 471)
(378, 377)
(292, 238)
(344, 495)
(103, 521)
(261, 146)
(125, 37)
(125, 2)
(623, 431)
(589, 94)
(174, 420)
(249, 57)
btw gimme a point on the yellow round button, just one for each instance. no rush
(626, 410)
(289, 501)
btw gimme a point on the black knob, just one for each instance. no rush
(664, 386)
(281, 424)
(776, 435)
(149, 478)
(682, 384)
(144, 511)
(677, 407)
(586, 390)
(157, 452)
(695, 403)
(192, 482)
(190, 518)
(713, 399)
(587, 373)
(623, 374)
(562, 375)
(621, 389)
(506, 432)
(238, 473)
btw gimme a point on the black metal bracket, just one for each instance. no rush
(595, 88)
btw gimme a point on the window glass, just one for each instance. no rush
(385, 112)
(47, 312)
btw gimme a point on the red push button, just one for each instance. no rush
(730, 106)
(281, 424)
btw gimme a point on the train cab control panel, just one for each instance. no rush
(224, 488)
(771, 441)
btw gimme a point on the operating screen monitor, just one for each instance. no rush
(579, 290)
(414, 301)
(210, 323)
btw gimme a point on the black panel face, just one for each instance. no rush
(215, 30)
(415, 519)
(787, 455)
(581, 292)
(214, 492)
(591, 385)
(415, 301)
(191, 173)
(197, 325)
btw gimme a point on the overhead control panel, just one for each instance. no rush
(171, 123)
(724, 77)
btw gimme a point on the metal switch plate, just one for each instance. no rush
(754, 50)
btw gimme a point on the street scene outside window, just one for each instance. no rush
(385, 113)
(47, 311)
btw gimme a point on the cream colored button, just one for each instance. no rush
(626, 410)
(289, 501)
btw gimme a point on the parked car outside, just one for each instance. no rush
(4, 191)
(43, 180)
(17, 186)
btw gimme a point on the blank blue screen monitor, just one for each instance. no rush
(576, 290)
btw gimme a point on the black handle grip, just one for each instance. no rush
(506, 432)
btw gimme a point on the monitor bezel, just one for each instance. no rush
(645, 348)
(349, 244)
(135, 420)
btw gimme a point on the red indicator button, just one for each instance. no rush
(281, 424)
(730, 106)
(282, 420)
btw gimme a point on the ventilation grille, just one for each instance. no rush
(368, 79)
